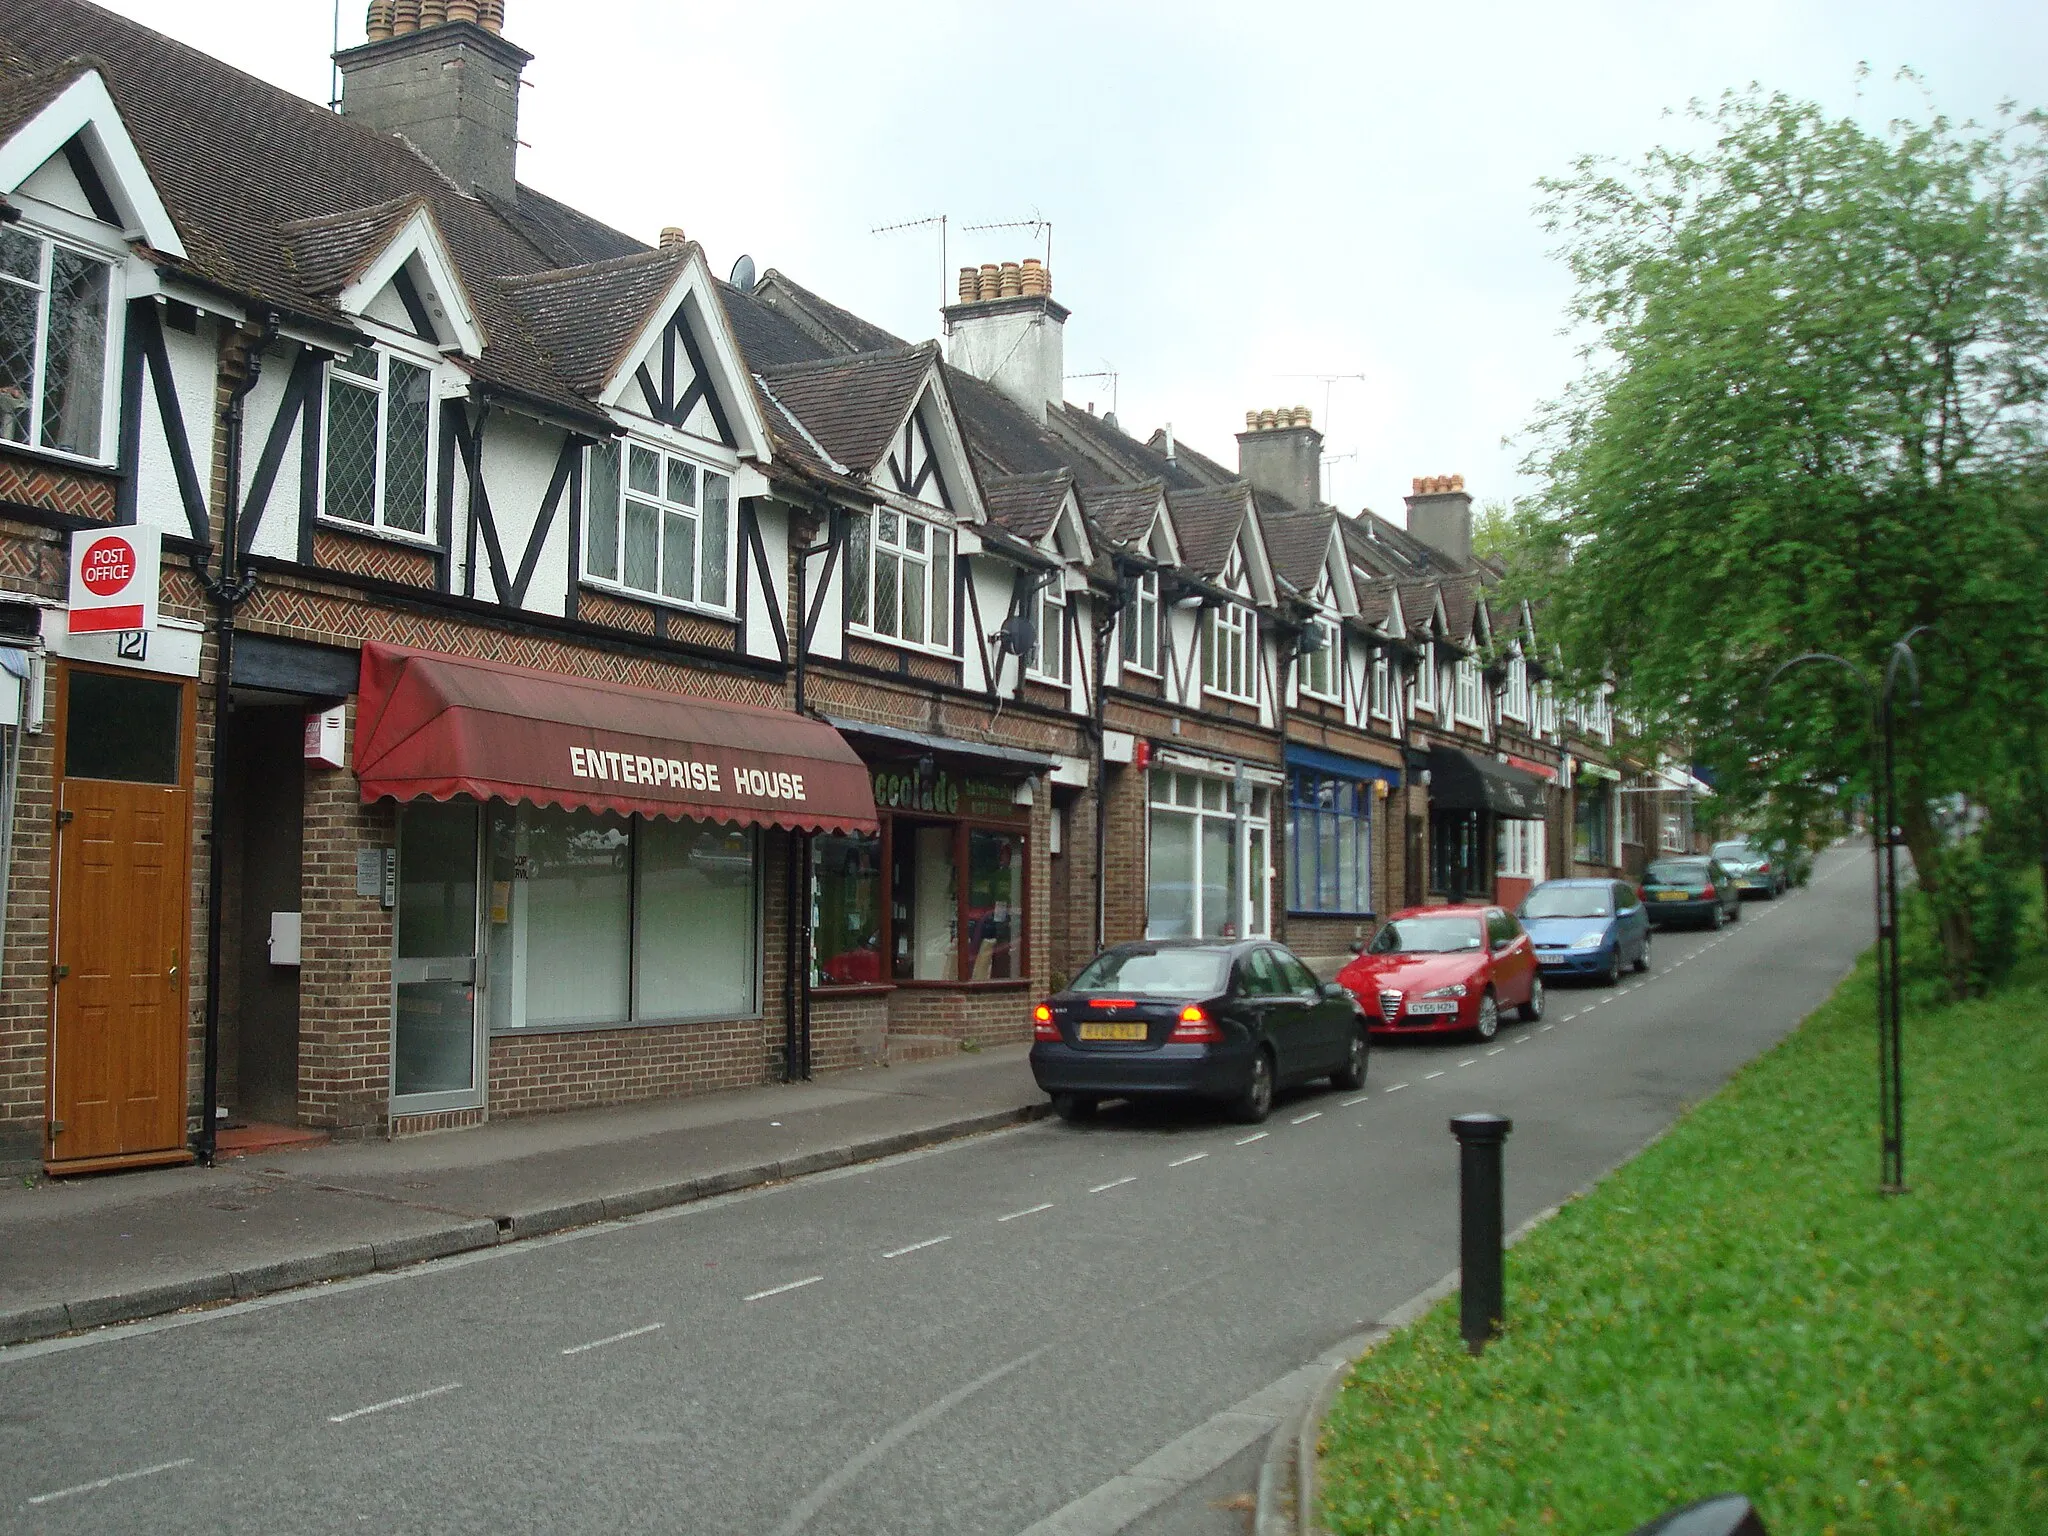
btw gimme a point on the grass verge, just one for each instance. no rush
(1737, 1310)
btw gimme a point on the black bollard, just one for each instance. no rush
(1482, 1284)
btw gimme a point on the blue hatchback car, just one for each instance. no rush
(1587, 928)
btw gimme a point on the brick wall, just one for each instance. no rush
(849, 1031)
(982, 1016)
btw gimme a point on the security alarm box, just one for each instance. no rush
(324, 737)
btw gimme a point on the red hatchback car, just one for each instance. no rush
(1445, 970)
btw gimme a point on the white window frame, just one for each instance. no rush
(1522, 852)
(1138, 625)
(1469, 703)
(861, 617)
(667, 510)
(1515, 700)
(1380, 688)
(1425, 681)
(110, 370)
(1232, 640)
(1050, 628)
(338, 377)
(1330, 660)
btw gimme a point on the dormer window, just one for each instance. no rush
(1515, 698)
(1469, 704)
(1229, 641)
(1322, 667)
(1382, 687)
(379, 443)
(1425, 680)
(660, 525)
(899, 578)
(56, 307)
(1140, 626)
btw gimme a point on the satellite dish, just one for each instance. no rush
(743, 274)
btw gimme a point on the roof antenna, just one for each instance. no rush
(1172, 453)
(938, 219)
(334, 80)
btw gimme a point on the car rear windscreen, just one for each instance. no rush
(1742, 853)
(1691, 876)
(1569, 901)
(1156, 972)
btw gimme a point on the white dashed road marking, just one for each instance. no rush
(1184, 1161)
(778, 1290)
(617, 1338)
(1396, 1088)
(1497, 1050)
(396, 1402)
(1359, 1100)
(1468, 1061)
(1260, 1136)
(1314, 1114)
(1129, 1178)
(930, 1242)
(108, 1482)
(1428, 1075)
(1033, 1211)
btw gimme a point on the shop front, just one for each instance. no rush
(580, 869)
(934, 913)
(1470, 798)
(1208, 846)
(1522, 851)
(1336, 838)
(1596, 818)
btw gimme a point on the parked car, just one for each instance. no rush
(1693, 889)
(1755, 872)
(1446, 970)
(1587, 928)
(1221, 1020)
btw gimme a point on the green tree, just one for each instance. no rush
(1810, 420)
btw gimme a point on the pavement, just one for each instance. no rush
(1071, 1330)
(87, 1252)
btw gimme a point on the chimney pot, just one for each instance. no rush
(1036, 280)
(673, 238)
(432, 13)
(1251, 421)
(378, 23)
(491, 15)
(989, 283)
(970, 284)
(405, 17)
(1268, 418)
(464, 10)
(1012, 280)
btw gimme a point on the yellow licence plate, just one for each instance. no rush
(1673, 895)
(1131, 1031)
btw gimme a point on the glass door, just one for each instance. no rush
(435, 1052)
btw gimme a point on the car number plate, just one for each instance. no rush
(1672, 895)
(1444, 1005)
(1131, 1031)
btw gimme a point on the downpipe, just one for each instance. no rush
(228, 589)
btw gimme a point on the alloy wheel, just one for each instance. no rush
(1489, 1017)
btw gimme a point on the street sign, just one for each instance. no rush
(114, 577)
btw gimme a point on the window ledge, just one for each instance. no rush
(531, 1030)
(416, 541)
(654, 599)
(1012, 984)
(915, 647)
(59, 458)
(852, 989)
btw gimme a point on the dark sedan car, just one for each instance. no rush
(1695, 889)
(1230, 1022)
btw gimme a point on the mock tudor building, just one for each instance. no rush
(576, 679)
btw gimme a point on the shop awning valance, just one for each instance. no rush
(433, 727)
(1464, 781)
(1341, 765)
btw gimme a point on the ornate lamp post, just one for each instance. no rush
(1885, 854)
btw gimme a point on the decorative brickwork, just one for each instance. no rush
(381, 558)
(615, 612)
(77, 492)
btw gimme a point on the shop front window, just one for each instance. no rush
(1457, 855)
(924, 899)
(1329, 844)
(1591, 818)
(1198, 885)
(603, 920)
(995, 892)
(846, 910)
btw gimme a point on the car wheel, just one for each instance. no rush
(1351, 1076)
(1735, 916)
(1532, 1010)
(1257, 1100)
(1643, 954)
(1611, 976)
(1717, 917)
(1073, 1107)
(1488, 1024)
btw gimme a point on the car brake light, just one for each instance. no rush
(1195, 1028)
(1707, 894)
(1643, 892)
(1042, 1026)
(1764, 868)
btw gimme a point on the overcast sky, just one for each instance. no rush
(1240, 193)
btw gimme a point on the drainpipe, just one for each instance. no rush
(1105, 627)
(229, 588)
(796, 1003)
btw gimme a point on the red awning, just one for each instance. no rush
(434, 727)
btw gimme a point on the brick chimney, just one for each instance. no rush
(1440, 514)
(1281, 453)
(441, 73)
(1007, 330)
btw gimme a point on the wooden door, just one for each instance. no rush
(118, 973)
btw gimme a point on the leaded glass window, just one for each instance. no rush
(56, 307)
(900, 578)
(379, 443)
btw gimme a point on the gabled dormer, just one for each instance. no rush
(389, 265)
(73, 154)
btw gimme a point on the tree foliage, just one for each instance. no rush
(1811, 419)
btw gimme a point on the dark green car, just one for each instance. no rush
(1694, 889)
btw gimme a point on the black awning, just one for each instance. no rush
(1463, 781)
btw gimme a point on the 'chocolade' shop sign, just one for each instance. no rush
(945, 795)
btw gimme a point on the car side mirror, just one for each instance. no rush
(1336, 991)
(1358, 946)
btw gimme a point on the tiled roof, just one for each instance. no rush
(330, 253)
(1027, 505)
(767, 337)
(1122, 514)
(853, 405)
(1375, 601)
(839, 330)
(1207, 521)
(1005, 438)
(1297, 542)
(570, 238)
(583, 319)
